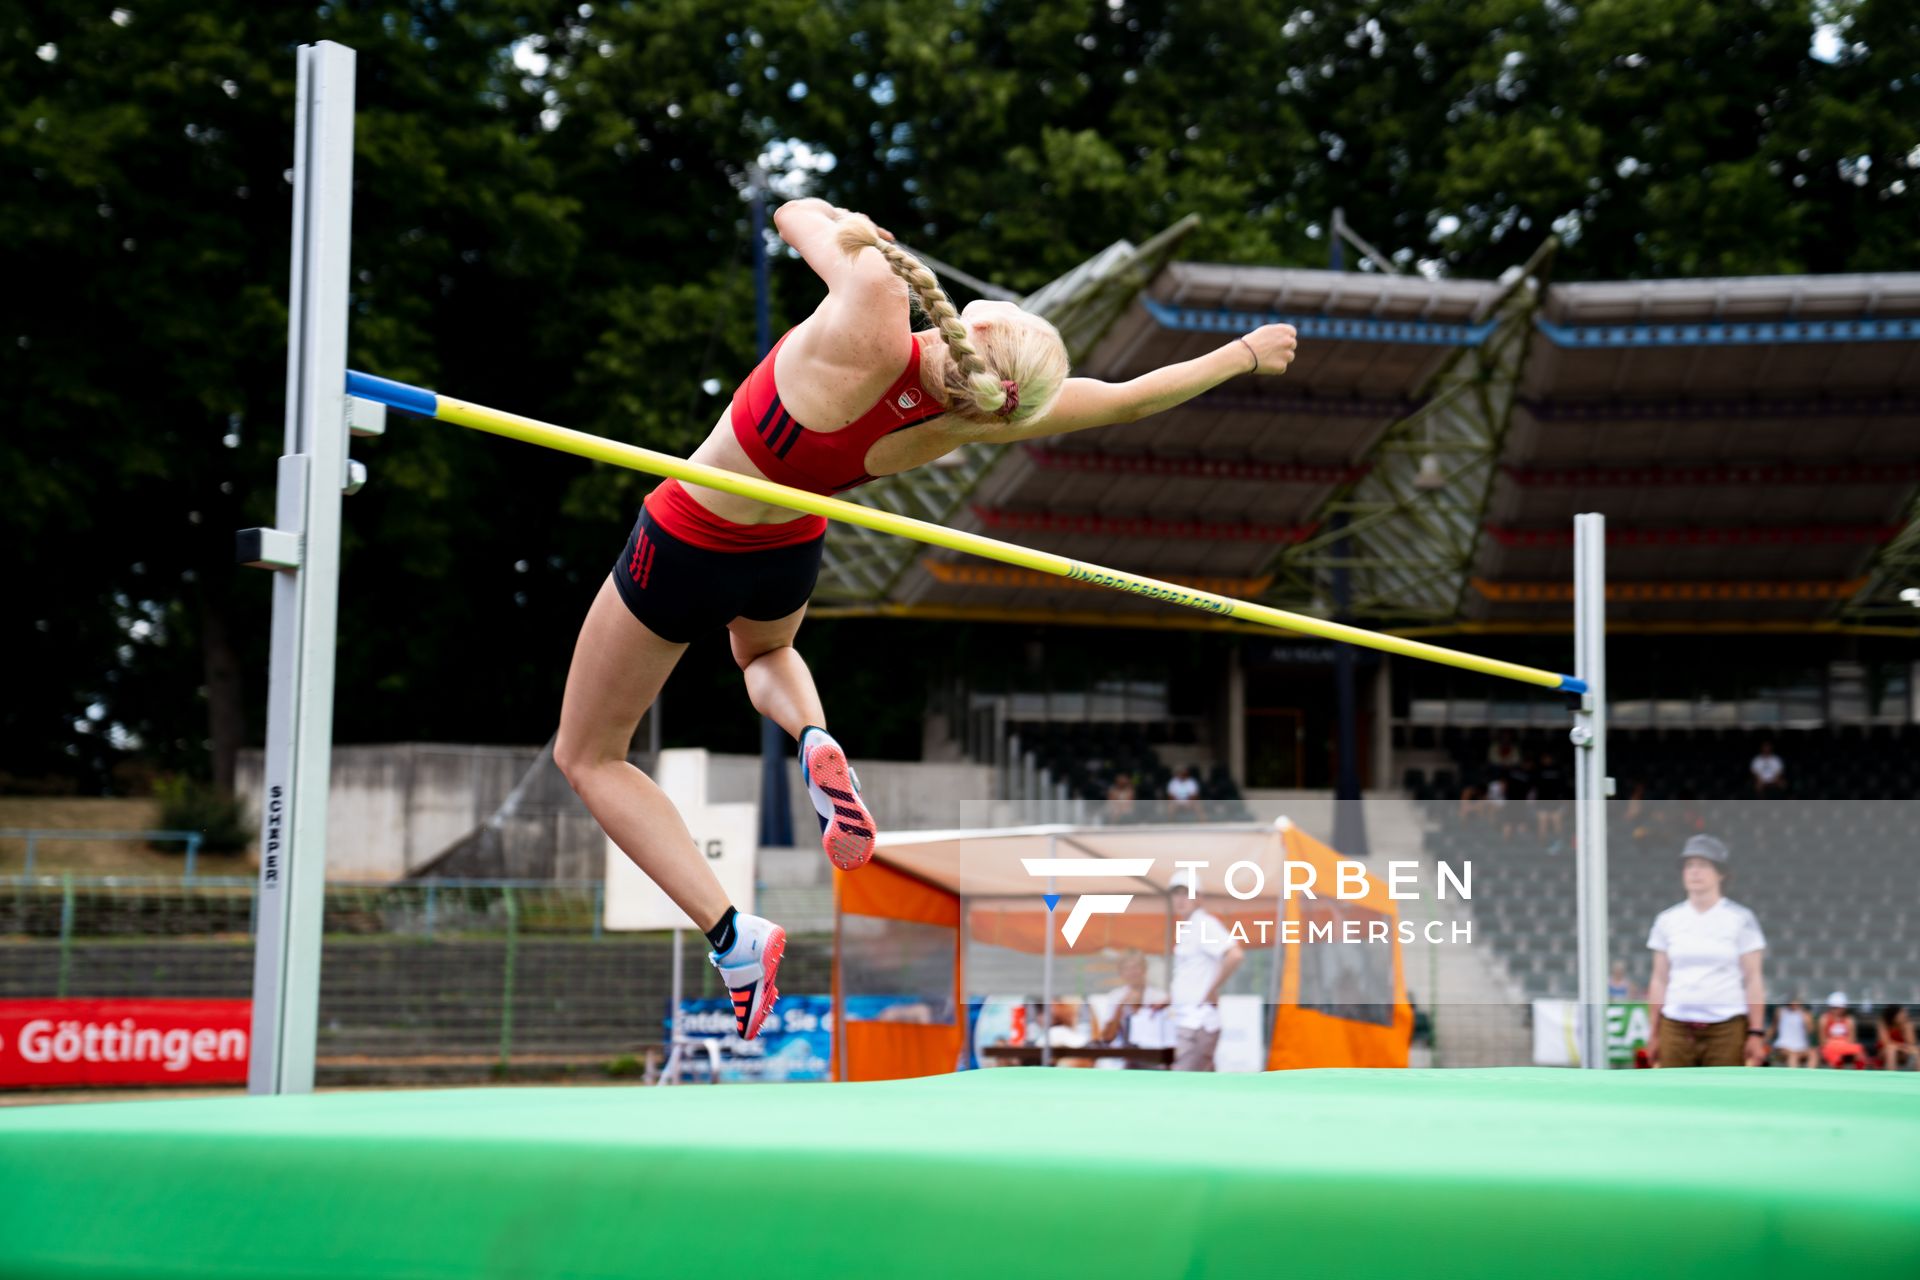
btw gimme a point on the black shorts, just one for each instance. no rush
(679, 590)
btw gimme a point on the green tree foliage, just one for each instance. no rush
(549, 217)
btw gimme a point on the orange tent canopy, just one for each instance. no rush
(999, 877)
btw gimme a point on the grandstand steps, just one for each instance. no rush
(1477, 1009)
(938, 744)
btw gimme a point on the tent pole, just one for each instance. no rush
(960, 943)
(839, 1031)
(1279, 956)
(1046, 970)
(673, 1020)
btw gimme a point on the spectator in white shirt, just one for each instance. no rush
(1183, 794)
(1793, 1034)
(1204, 957)
(1707, 997)
(1769, 772)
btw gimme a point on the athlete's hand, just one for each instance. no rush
(1273, 345)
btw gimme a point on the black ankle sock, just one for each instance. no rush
(807, 729)
(721, 936)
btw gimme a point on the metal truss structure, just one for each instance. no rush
(1894, 571)
(860, 566)
(1407, 531)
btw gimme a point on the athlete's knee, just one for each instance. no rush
(570, 760)
(579, 759)
(745, 654)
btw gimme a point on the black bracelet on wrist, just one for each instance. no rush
(1253, 353)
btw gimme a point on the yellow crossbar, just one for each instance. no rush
(547, 436)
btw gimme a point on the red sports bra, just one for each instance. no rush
(824, 462)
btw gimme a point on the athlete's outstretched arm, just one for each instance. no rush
(1089, 402)
(861, 321)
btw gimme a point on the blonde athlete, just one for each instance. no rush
(848, 394)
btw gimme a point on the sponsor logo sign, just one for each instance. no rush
(111, 1042)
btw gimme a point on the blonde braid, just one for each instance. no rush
(971, 381)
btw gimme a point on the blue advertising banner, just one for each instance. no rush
(795, 1042)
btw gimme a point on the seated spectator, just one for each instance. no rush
(1120, 799)
(1896, 1038)
(1839, 1038)
(1064, 1031)
(1183, 795)
(1769, 772)
(1125, 1015)
(1473, 805)
(1793, 1034)
(1619, 986)
(1504, 753)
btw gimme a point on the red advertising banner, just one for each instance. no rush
(88, 1042)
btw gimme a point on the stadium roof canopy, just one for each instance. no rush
(1754, 443)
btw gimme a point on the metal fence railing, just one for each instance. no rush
(417, 980)
(33, 837)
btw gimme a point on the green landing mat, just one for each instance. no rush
(997, 1174)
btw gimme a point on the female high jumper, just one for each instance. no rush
(848, 394)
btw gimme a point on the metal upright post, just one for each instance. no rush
(508, 977)
(66, 936)
(1590, 781)
(304, 546)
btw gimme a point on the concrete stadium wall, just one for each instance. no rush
(397, 808)
(393, 808)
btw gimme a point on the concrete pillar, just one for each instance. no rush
(1383, 724)
(1236, 716)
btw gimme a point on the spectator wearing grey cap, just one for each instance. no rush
(1708, 998)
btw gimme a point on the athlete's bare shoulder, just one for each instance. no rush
(837, 361)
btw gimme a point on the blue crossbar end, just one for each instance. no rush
(396, 395)
(1568, 684)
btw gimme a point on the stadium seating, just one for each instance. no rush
(1848, 762)
(1088, 756)
(1832, 885)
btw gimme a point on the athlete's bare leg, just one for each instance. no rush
(618, 668)
(778, 681)
(782, 690)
